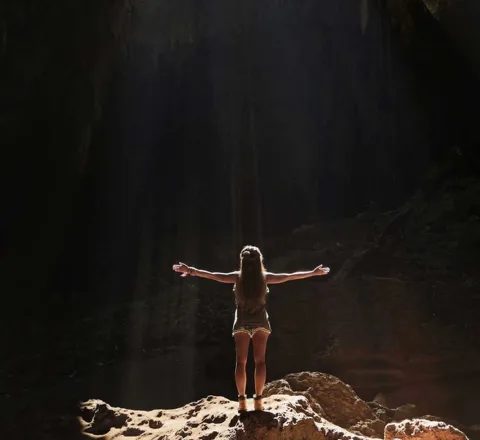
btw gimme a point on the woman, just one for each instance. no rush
(251, 317)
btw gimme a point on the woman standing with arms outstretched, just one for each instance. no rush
(251, 317)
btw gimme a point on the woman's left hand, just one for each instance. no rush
(320, 270)
(181, 267)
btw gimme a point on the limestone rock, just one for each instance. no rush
(382, 412)
(309, 405)
(105, 418)
(421, 429)
(332, 399)
(388, 415)
(214, 418)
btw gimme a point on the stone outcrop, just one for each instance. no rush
(421, 429)
(398, 414)
(308, 405)
(331, 399)
(285, 417)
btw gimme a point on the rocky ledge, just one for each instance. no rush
(308, 405)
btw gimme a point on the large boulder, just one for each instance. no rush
(285, 417)
(421, 429)
(309, 405)
(332, 399)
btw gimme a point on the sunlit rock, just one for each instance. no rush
(285, 417)
(332, 399)
(421, 429)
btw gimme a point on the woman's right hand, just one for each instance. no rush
(182, 268)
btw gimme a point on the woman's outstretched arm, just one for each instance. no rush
(276, 278)
(229, 277)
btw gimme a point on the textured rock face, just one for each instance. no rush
(285, 417)
(388, 415)
(308, 405)
(421, 429)
(331, 399)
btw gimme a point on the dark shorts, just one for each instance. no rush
(251, 323)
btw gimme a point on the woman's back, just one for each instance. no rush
(250, 304)
(251, 287)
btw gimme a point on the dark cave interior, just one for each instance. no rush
(139, 133)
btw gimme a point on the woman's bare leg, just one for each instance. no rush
(242, 342)
(259, 341)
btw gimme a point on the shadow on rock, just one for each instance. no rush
(44, 422)
(252, 420)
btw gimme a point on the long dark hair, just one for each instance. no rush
(251, 287)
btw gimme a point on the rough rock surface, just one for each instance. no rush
(308, 405)
(421, 429)
(285, 417)
(332, 399)
(387, 415)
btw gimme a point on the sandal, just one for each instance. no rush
(257, 403)
(242, 403)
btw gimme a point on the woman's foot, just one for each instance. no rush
(257, 403)
(242, 403)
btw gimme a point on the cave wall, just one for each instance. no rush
(438, 39)
(56, 57)
(336, 109)
(124, 148)
(320, 98)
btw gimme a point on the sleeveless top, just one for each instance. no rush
(255, 309)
